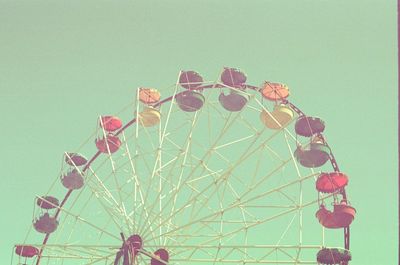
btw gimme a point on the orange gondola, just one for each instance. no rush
(149, 96)
(274, 91)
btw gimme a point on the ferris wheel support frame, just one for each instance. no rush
(135, 120)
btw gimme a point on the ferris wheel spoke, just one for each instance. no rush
(151, 170)
(265, 178)
(105, 197)
(287, 254)
(248, 153)
(244, 212)
(291, 153)
(272, 251)
(242, 139)
(137, 187)
(193, 199)
(282, 192)
(111, 218)
(162, 137)
(245, 156)
(300, 197)
(210, 240)
(105, 259)
(270, 218)
(167, 121)
(287, 229)
(227, 124)
(145, 213)
(267, 193)
(199, 194)
(243, 203)
(169, 175)
(121, 207)
(245, 250)
(107, 201)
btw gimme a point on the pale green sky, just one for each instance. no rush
(64, 63)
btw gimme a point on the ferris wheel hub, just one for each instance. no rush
(135, 242)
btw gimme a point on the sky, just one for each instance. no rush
(64, 63)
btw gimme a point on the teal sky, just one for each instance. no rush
(64, 63)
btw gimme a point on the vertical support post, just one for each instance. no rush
(347, 237)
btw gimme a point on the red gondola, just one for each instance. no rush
(26, 251)
(162, 254)
(190, 79)
(344, 214)
(111, 143)
(110, 123)
(47, 202)
(190, 101)
(74, 159)
(45, 224)
(341, 216)
(331, 182)
(234, 101)
(233, 77)
(73, 180)
(309, 126)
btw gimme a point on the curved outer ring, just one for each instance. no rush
(285, 101)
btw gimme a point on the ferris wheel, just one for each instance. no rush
(216, 172)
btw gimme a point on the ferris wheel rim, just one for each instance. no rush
(131, 123)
